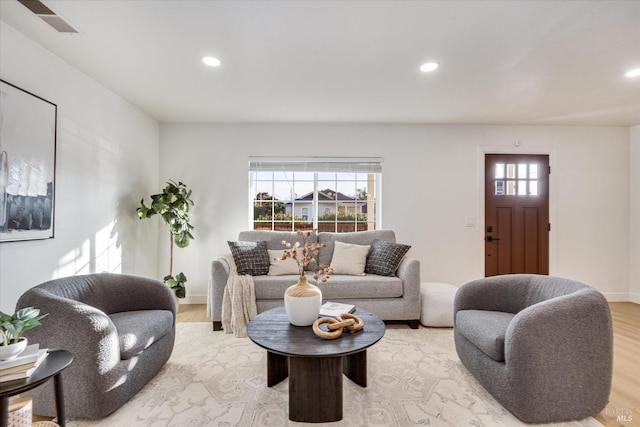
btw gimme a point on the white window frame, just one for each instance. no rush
(370, 165)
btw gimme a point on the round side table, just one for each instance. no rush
(51, 367)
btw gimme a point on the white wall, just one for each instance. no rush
(107, 160)
(431, 183)
(634, 224)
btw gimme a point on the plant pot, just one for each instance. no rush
(11, 351)
(302, 302)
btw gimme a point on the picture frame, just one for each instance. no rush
(28, 129)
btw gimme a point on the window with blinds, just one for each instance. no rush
(338, 194)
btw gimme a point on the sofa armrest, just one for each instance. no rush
(568, 333)
(218, 278)
(409, 272)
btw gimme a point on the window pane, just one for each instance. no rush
(263, 175)
(303, 189)
(499, 188)
(511, 188)
(330, 176)
(499, 171)
(304, 176)
(533, 171)
(533, 188)
(282, 191)
(522, 188)
(511, 171)
(283, 176)
(522, 171)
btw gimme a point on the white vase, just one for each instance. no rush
(302, 302)
(11, 351)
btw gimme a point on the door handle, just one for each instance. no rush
(491, 238)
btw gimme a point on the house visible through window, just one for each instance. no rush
(327, 194)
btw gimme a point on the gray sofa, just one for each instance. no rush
(541, 345)
(120, 330)
(389, 297)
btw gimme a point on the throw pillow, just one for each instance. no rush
(349, 258)
(282, 267)
(250, 257)
(385, 257)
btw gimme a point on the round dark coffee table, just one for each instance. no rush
(51, 367)
(314, 365)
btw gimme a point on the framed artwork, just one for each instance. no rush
(27, 164)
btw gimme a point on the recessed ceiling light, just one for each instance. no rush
(428, 67)
(211, 61)
(633, 73)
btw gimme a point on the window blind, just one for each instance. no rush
(316, 164)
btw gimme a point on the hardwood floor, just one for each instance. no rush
(623, 409)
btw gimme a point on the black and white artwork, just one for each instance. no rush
(27, 164)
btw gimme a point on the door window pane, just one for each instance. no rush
(499, 171)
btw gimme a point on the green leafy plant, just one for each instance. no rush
(13, 326)
(173, 207)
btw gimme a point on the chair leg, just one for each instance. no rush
(414, 324)
(217, 326)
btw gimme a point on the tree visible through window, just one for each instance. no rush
(304, 199)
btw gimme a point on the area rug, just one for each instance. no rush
(214, 379)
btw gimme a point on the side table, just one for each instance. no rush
(51, 367)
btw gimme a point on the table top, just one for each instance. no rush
(56, 361)
(273, 331)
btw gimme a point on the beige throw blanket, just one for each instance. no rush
(238, 301)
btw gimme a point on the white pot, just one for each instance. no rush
(302, 311)
(11, 351)
(302, 303)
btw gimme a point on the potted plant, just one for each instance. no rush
(173, 207)
(12, 343)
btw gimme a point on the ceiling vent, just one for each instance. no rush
(48, 16)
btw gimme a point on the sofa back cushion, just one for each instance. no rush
(274, 240)
(357, 238)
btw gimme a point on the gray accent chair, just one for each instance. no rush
(120, 330)
(542, 346)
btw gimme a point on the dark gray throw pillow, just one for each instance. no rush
(250, 257)
(385, 257)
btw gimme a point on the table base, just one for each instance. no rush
(315, 383)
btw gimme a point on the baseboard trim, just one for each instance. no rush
(194, 299)
(621, 297)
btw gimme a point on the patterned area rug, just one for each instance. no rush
(214, 379)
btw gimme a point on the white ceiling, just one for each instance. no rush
(501, 62)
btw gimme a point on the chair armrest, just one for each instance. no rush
(218, 278)
(88, 333)
(409, 272)
(567, 333)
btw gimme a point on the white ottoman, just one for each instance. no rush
(436, 304)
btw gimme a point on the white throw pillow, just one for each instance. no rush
(349, 259)
(282, 267)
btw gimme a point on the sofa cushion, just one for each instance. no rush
(250, 257)
(337, 287)
(357, 238)
(385, 257)
(485, 329)
(274, 240)
(281, 266)
(349, 258)
(139, 329)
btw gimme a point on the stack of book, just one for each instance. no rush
(23, 365)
